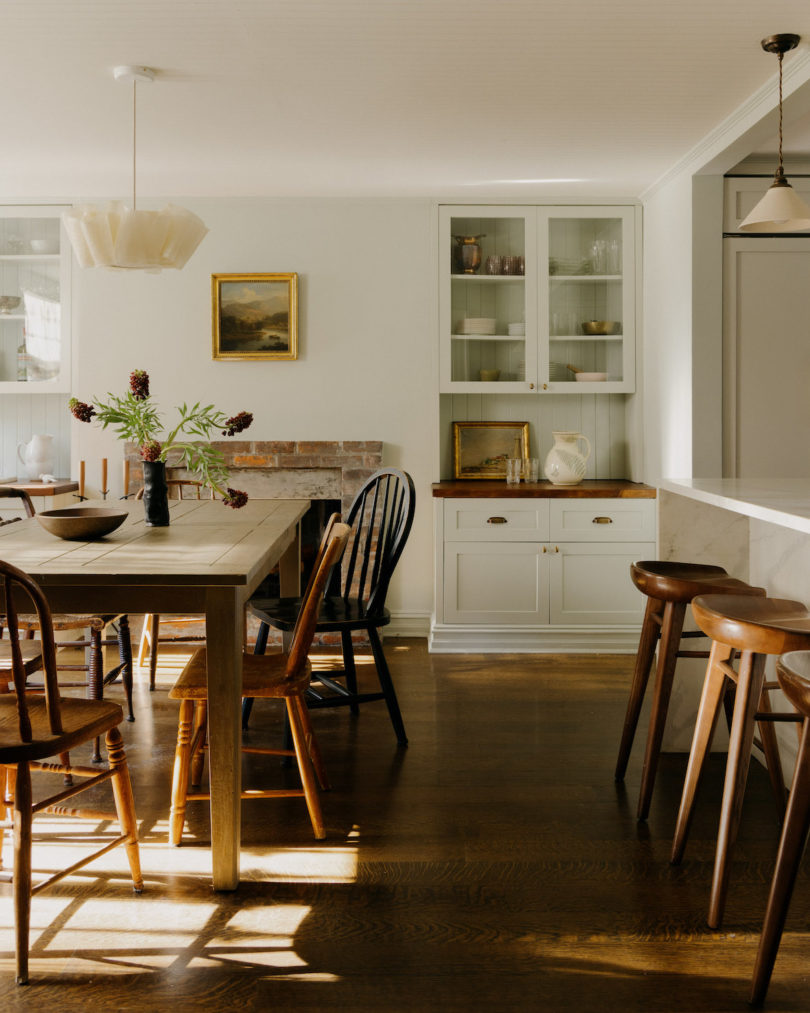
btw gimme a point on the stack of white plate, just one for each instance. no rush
(477, 325)
(558, 371)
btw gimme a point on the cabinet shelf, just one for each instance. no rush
(586, 337)
(28, 257)
(11, 316)
(489, 279)
(580, 278)
(488, 337)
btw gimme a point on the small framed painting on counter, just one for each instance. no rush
(481, 449)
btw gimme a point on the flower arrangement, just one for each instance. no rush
(135, 418)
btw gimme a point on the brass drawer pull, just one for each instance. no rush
(602, 520)
(496, 520)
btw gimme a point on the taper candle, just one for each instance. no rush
(126, 477)
(81, 478)
(103, 474)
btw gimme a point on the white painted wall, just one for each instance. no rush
(366, 335)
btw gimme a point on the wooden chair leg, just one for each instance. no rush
(773, 761)
(387, 684)
(671, 630)
(788, 860)
(199, 734)
(154, 633)
(125, 655)
(95, 680)
(305, 771)
(650, 632)
(22, 818)
(708, 712)
(750, 678)
(124, 803)
(182, 755)
(313, 748)
(349, 667)
(143, 643)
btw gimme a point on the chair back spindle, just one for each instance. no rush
(17, 585)
(380, 518)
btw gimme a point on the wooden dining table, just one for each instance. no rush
(208, 560)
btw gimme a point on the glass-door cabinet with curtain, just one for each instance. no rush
(34, 301)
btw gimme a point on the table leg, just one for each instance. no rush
(225, 630)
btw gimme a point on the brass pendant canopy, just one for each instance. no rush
(781, 209)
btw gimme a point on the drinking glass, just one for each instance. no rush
(514, 467)
(531, 469)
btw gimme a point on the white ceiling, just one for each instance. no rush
(366, 97)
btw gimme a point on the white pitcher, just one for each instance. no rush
(37, 456)
(565, 463)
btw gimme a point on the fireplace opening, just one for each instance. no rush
(313, 524)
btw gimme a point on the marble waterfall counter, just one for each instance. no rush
(759, 530)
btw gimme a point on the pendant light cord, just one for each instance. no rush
(135, 138)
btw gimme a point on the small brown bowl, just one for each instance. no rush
(81, 524)
(599, 326)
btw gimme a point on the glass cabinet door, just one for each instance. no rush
(488, 304)
(34, 353)
(587, 263)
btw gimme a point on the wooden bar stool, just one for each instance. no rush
(756, 627)
(669, 587)
(793, 673)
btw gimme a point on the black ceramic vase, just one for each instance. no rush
(155, 494)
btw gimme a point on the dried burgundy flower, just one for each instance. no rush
(150, 451)
(237, 424)
(235, 498)
(139, 384)
(81, 411)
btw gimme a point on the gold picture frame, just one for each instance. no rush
(481, 449)
(255, 316)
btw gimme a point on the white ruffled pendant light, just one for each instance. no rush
(121, 237)
(781, 209)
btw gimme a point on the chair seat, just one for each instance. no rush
(336, 614)
(673, 581)
(68, 622)
(263, 675)
(82, 720)
(762, 625)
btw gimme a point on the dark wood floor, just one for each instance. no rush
(493, 865)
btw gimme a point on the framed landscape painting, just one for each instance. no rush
(255, 316)
(481, 449)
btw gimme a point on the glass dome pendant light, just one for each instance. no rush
(781, 209)
(124, 238)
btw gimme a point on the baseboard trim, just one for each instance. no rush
(447, 638)
(408, 624)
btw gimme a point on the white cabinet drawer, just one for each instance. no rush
(496, 520)
(602, 520)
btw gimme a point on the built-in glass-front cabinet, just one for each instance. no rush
(537, 299)
(34, 309)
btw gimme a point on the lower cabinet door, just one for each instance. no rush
(590, 584)
(496, 582)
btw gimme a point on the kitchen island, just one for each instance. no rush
(758, 530)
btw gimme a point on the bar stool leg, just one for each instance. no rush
(650, 632)
(671, 629)
(770, 747)
(750, 680)
(708, 712)
(788, 860)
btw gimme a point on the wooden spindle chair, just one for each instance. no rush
(380, 519)
(267, 676)
(33, 729)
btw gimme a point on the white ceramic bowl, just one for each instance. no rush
(591, 377)
(44, 246)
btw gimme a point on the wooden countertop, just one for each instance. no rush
(498, 489)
